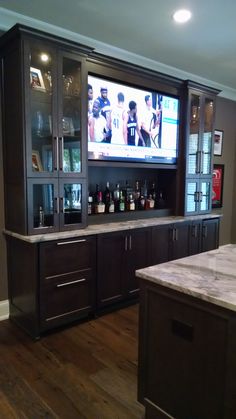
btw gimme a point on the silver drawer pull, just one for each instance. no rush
(74, 241)
(71, 282)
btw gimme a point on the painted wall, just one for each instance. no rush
(226, 121)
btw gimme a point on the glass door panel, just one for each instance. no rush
(191, 197)
(71, 116)
(207, 137)
(72, 200)
(204, 197)
(41, 108)
(43, 205)
(193, 142)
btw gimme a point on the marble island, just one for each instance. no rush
(187, 337)
(210, 276)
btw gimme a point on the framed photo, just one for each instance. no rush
(36, 79)
(218, 142)
(217, 185)
(36, 162)
(68, 126)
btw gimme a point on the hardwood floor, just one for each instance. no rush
(84, 371)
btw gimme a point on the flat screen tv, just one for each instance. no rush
(131, 124)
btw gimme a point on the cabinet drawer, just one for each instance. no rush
(66, 297)
(65, 256)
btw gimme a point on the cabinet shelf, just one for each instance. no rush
(128, 215)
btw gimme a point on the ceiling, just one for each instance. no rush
(143, 32)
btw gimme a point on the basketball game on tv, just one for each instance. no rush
(131, 124)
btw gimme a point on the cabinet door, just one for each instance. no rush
(160, 237)
(195, 237)
(137, 257)
(72, 82)
(179, 244)
(41, 109)
(193, 142)
(210, 234)
(72, 203)
(110, 282)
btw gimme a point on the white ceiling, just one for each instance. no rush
(143, 32)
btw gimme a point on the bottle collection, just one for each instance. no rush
(128, 198)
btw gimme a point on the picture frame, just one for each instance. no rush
(36, 162)
(218, 142)
(68, 126)
(217, 185)
(36, 79)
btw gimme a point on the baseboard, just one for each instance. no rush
(4, 310)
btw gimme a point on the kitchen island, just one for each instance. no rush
(187, 337)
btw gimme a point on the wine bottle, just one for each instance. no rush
(121, 202)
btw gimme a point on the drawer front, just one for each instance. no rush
(65, 256)
(66, 297)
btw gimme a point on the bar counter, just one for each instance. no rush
(187, 337)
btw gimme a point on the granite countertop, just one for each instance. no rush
(209, 276)
(108, 228)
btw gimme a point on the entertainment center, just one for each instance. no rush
(64, 264)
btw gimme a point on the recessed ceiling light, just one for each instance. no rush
(44, 57)
(182, 16)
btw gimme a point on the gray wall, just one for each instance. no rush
(226, 121)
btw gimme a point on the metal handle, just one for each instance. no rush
(194, 231)
(204, 231)
(198, 168)
(195, 196)
(56, 154)
(71, 282)
(126, 243)
(62, 209)
(71, 242)
(130, 242)
(173, 234)
(200, 196)
(176, 234)
(61, 154)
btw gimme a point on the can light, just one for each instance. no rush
(44, 57)
(182, 16)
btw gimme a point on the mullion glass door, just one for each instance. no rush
(72, 204)
(194, 135)
(70, 117)
(42, 109)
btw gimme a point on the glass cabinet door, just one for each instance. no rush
(41, 109)
(191, 200)
(70, 138)
(43, 205)
(72, 200)
(193, 140)
(206, 148)
(204, 195)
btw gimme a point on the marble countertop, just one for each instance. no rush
(108, 228)
(209, 276)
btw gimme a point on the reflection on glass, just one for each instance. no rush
(41, 105)
(72, 203)
(43, 205)
(205, 196)
(191, 191)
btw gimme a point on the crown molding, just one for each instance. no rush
(10, 18)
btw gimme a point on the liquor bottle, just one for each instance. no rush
(161, 202)
(136, 194)
(90, 203)
(110, 208)
(130, 204)
(121, 202)
(99, 205)
(106, 195)
(150, 203)
(41, 217)
(142, 203)
(116, 196)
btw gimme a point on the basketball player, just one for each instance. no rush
(118, 129)
(132, 125)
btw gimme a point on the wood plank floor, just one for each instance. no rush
(85, 371)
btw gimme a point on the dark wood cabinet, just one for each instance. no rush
(52, 283)
(210, 234)
(44, 141)
(170, 241)
(185, 356)
(119, 255)
(195, 237)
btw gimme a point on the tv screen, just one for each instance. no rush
(131, 124)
